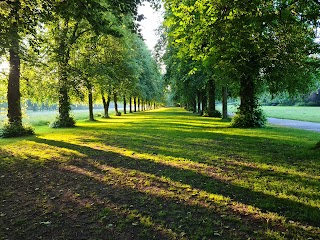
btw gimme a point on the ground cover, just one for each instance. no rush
(301, 113)
(163, 174)
(308, 114)
(40, 118)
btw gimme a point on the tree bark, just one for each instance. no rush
(194, 103)
(138, 104)
(106, 105)
(90, 98)
(248, 100)
(64, 100)
(204, 103)
(13, 95)
(115, 103)
(211, 98)
(124, 105)
(199, 101)
(130, 104)
(13, 91)
(224, 102)
(135, 104)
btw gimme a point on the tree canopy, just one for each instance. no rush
(253, 45)
(69, 48)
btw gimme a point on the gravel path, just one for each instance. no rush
(295, 124)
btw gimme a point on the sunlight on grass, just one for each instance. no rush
(263, 182)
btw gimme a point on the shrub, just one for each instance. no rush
(250, 120)
(63, 123)
(214, 113)
(10, 130)
(118, 113)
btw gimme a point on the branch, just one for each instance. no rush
(316, 2)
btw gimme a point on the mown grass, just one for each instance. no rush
(163, 174)
(42, 118)
(301, 113)
(309, 114)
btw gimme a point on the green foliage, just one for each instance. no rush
(215, 113)
(253, 119)
(63, 122)
(15, 130)
(265, 43)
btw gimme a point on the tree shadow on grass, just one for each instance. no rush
(202, 180)
(90, 199)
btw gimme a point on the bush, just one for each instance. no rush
(250, 120)
(63, 123)
(10, 130)
(118, 113)
(216, 114)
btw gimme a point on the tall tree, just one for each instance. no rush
(18, 18)
(252, 44)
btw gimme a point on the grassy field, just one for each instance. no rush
(42, 118)
(308, 114)
(162, 174)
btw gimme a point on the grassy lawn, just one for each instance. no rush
(308, 114)
(162, 174)
(41, 118)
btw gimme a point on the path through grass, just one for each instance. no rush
(164, 174)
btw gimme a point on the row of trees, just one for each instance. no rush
(59, 50)
(248, 47)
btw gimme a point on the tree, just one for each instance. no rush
(18, 18)
(74, 18)
(252, 44)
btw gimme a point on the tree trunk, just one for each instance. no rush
(199, 101)
(249, 114)
(204, 103)
(106, 105)
(135, 104)
(124, 105)
(115, 103)
(154, 106)
(194, 105)
(130, 104)
(224, 102)
(13, 91)
(211, 98)
(64, 100)
(138, 105)
(248, 101)
(13, 95)
(90, 98)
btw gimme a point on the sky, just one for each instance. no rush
(150, 24)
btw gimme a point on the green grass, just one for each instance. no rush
(162, 174)
(308, 114)
(42, 118)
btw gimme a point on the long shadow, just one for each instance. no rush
(260, 147)
(72, 205)
(267, 203)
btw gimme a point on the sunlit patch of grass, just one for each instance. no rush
(171, 173)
